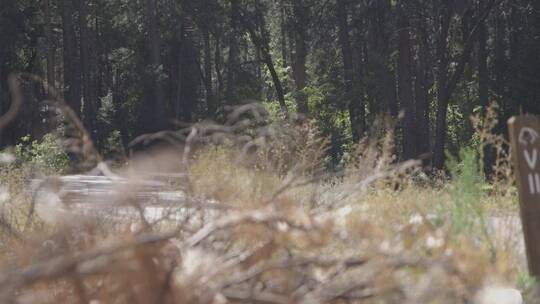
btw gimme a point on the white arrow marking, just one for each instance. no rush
(531, 161)
(527, 136)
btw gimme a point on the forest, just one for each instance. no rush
(269, 151)
(134, 67)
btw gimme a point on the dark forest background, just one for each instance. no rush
(129, 67)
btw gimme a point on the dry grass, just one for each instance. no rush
(259, 221)
(284, 237)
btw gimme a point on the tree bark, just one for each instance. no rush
(72, 75)
(217, 63)
(283, 36)
(153, 110)
(299, 65)
(500, 69)
(51, 79)
(232, 64)
(483, 77)
(384, 96)
(210, 102)
(442, 82)
(353, 102)
(422, 87)
(405, 92)
(88, 79)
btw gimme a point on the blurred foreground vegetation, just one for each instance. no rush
(260, 218)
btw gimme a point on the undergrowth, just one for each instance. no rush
(253, 216)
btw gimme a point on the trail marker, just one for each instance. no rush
(524, 134)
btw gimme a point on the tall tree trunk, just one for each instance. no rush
(405, 92)
(348, 67)
(89, 106)
(217, 63)
(299, 64)
(189, 69)
(500, 69)
(153, 110)
(72, 75)
(422, 87)
(483, 77)
(51, 79)
(442, 94)
(232, 64)
(359, 67)
(283, 36)
(384, 99)
(210, 102)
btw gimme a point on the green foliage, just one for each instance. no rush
(466, 190)
(46, 156)
(467, 213)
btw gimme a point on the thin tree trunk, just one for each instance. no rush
(210, 102)
(501, 64)
(283, 36)
(483, 77)
(50, 45)
(217, 63)
(359, 62)
(232, 64)
(262, 43)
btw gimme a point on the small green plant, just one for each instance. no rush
(46, 155)
(467, 195)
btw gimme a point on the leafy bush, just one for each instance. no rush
(46, 155)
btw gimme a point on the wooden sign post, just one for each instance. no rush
(525, 141)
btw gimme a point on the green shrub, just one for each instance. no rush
(46, 155)
(467, 195)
